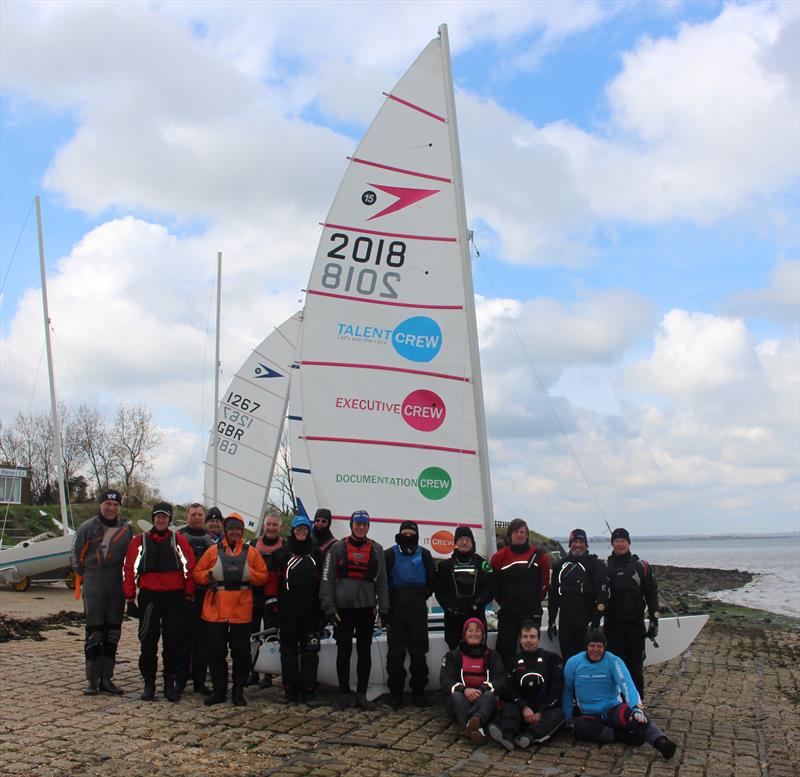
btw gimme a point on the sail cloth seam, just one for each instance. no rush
(434, 238)
(384, 302)
(402, 170)
(415, 107)
(357, 441)
(421, 522)
(444, 375)
(246, 480)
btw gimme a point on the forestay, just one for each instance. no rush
(392, 413)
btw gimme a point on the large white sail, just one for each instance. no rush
(392, 413)
(248, 433)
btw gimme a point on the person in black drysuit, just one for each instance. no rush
(579, 592)
(532, 711)
(193, 660)
(295, 570)
(322, 530)
(631, 587)
(463, 586)
(410, 572)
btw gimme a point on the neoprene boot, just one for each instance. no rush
(171, 693)
(665, 746)
(107, 685)
(92, 678)
(238, 696)
(149, 692)
(266, 681)
(363, 702)
(252, 678)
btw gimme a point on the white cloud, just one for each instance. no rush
(780, 300)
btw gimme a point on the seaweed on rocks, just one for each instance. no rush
(31, 628)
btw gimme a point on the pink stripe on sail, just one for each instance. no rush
(401, 170)
(383, 301)
(415, 107)
(392, 234)
(456, 524)
(314, 438)
(388, 369)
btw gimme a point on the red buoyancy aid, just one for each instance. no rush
(474, 670)
(356, 562)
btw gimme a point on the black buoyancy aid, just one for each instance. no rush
(465, 577)
(359, 562)
(626, 577)
(474, 669)
(160, 556)
(232, 570)
(574, 578)
(199, 543)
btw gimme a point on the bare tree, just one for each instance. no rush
(72, 452)
(27, 444)
(96, 444)
(134, 437)
(283, 479)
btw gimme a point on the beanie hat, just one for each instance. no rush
(464, 531)
(516, 523)
(578, 534)
(231, 519)
(359, 516)
(473, 620)
(409, 525)
(214, 514)
(111, 495)
(620, 533)
(325, 513)
(163, 507)
(596, 635)
(301, 520)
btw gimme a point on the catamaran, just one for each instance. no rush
(385, 403)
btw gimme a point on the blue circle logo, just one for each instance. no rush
(417, 339)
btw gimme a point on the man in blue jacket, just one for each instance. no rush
(608, 703)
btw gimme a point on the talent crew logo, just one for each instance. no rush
(422, 409)
(417, 339)
(433, 483)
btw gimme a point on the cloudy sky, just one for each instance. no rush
(631, 174)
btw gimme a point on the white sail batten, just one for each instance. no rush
(387, 372)
(250, 423)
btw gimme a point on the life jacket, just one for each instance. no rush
(326, 546)
(199, 543)
(465, 577)
(407, 570)
(626, 580)
(357, 562)
(232, 570)
(163, 556)
(474, 670)
(574, 578)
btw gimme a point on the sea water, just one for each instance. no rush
(774, 559)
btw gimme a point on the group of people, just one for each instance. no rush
(202, 590)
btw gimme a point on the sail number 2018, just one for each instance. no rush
(364, 250)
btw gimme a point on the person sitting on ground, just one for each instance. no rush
(231, 570)
(295, 570)
(609, 707)
(532, 711)
(474, 678)
(463, 586)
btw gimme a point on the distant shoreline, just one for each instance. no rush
(600, 538)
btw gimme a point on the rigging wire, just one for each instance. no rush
(542, 388)
(16, 245)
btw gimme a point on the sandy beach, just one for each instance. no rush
(732, 703)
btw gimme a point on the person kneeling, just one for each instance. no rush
(474, 677)
(607, 699)
(532, 710)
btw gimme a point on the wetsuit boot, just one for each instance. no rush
(107, 685)
(149, 692)
(171, 692)
(92, 678)
(238, 696)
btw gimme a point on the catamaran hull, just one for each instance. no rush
(674, 636)
(31, 559)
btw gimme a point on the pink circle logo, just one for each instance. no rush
(423, 410)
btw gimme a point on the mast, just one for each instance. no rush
(469, 293)
(56, 442)
(216, 374)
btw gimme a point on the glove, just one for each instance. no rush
(652, 631)
(552, 631)
(638, 715)
(132, 609)
(569, 727)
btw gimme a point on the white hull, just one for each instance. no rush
(31, 558)
(674, 636)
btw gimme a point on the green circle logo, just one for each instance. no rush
(434, 483)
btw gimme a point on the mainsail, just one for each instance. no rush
(392, 408)
(248, 433)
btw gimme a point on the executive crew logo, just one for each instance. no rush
(424, 410)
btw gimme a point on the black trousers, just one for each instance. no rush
(571, 638)
(408, 633)
(454, 626)
(461, 709)
(160, 614)
(220, 637)
(626, 640)
(508, 623)
(617, 724)
(193, 659)
(299, 639)
(512, 723)
(358, 621)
